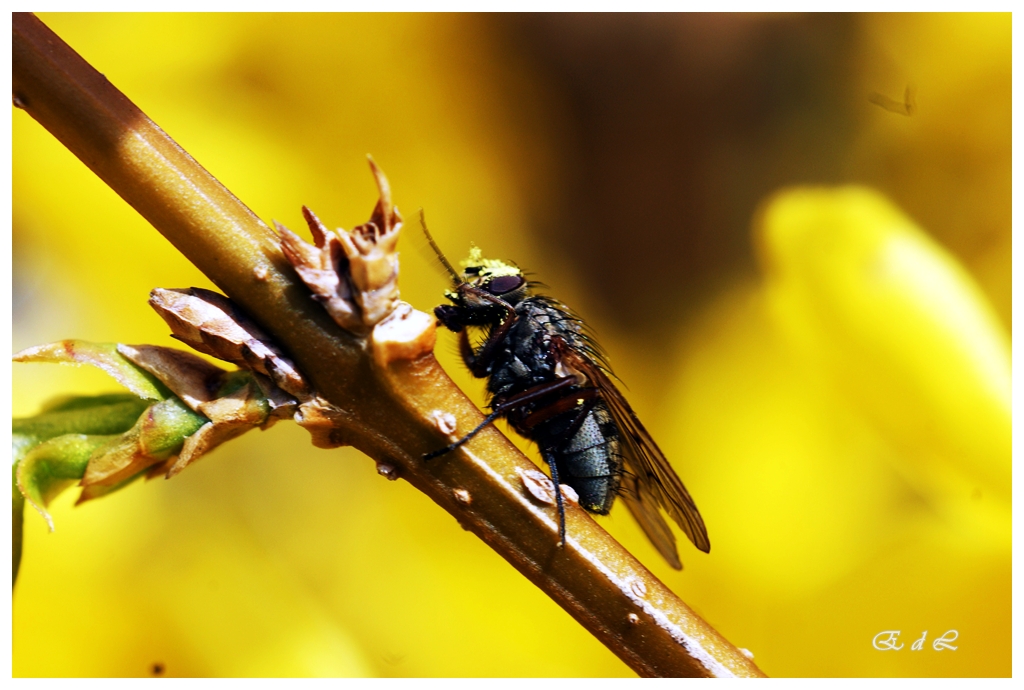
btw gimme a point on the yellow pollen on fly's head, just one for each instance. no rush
(488, 267)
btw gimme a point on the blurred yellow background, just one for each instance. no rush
(827, 366)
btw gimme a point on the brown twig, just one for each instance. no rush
(392, 408)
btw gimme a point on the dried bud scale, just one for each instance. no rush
(212, 324)
(353, 274)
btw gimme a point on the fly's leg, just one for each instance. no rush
(449, 448)
(587, 400)
(559, 503)
(527, 396)
(479, 361)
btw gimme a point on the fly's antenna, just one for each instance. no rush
(437, 250)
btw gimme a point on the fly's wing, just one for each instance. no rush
(646, 513)
(654, 482)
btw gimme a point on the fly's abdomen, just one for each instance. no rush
(590, 461)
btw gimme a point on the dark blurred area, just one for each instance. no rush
(673, 128)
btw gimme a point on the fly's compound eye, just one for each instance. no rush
(504, 284)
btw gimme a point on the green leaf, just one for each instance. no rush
(166, 427)
(157, 435)
(53, 466)
(97, 417)
(69, 403)
(101, 414)
(107, 441)
(102, 355)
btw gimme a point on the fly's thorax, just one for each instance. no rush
(519, 364)
(526, 357)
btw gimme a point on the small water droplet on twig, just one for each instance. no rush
(387, 470)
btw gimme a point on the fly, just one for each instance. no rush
(548, 378)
